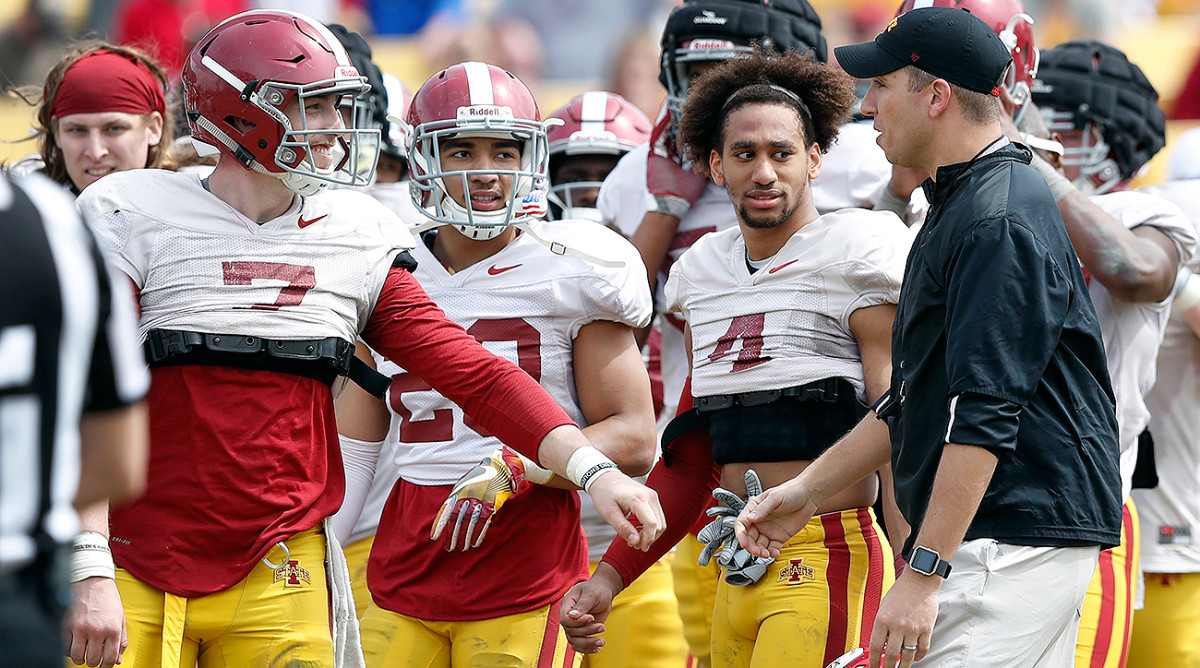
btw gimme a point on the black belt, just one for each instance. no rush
(826, 389)
(320, 359)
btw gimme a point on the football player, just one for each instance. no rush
(561, 299)
(597, 129)
(1104, 112)
(1170, 513)
(788, 320)
(103, 110)
(253, 284)
(663, 207)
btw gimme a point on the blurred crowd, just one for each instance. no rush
(611, 44)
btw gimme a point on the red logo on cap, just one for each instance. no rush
(915, 57)
(995, 91)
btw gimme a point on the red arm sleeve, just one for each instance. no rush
(684, 490)
(409, 329)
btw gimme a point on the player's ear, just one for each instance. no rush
(714, 167)
(814, 160)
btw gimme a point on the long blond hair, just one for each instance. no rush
(159, 156)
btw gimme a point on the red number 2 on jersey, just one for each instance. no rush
(749, 329)
(300, 280)
(440, 427)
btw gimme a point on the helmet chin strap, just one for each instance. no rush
(301, 184)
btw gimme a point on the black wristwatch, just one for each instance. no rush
(928, 562)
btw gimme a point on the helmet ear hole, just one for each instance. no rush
(242, 125)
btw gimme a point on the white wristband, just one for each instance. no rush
(587, 464)
(91, 557)
(534, 473)
(1187, 291)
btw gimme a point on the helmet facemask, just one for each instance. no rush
(528, 183)
(1097, 171)
(355, 150)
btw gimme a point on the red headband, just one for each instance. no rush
(106, 81)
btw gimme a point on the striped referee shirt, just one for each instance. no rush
(68, 344)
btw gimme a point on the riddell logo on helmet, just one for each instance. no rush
(485, 111)
(709, 44)
(343, 72)
(710, 17)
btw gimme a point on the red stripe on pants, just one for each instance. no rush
(875, 576)
(1131, 547)
(837, 576)
(1104, 625)
(550, 639)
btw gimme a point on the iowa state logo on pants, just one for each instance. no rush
(796, 572)
(295, 574)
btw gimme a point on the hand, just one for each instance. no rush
(95, 623)
(616, 496)
(741, 567)
(906, 616)
(586, 606)
(771, 519)
(478, 496)
(673, 186)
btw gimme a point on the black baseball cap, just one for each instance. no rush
(948, 42)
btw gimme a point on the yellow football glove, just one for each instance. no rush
(477, 496)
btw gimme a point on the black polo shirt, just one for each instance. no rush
(996, 344)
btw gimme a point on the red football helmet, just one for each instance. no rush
(1015, 28)
(241, 76)
(476, 99)
(593, 123)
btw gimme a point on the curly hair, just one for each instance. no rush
(160, 156)
(820, 95)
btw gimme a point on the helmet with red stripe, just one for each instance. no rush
(476, 100)
(242, 76)
(597, 128)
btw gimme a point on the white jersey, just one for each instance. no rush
(325, 258)
(524, 303)
(1132, 332)
(853, 174)
(1170, 513)
(622, 204)
(788, 323)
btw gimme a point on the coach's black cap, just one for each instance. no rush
(947, 42)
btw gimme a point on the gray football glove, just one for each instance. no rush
(741, 567)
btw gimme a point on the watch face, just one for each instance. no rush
(923, 560)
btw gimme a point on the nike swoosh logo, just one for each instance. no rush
(494, 270)
(305, 223)
(775, 269)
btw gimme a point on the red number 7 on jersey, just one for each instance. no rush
(300, 280)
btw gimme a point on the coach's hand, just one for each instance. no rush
(95, 623)
(905, 619)
(771, 519)
(619, 497)
(673, 186)
(586, 606)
